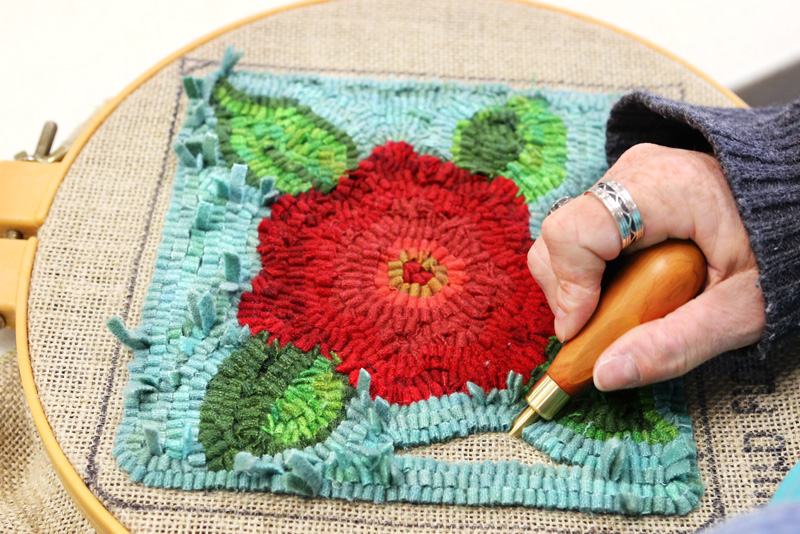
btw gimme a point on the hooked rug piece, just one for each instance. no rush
(342, 276)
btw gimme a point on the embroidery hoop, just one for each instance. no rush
(704, 90)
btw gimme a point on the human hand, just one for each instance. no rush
(680, 194)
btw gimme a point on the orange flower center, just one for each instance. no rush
(417, 273)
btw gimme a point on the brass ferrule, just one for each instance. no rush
(546, 397)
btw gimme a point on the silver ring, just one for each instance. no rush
(558, 203)
(622, 207)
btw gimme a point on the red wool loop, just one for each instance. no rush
(415, 273)
(412, 269)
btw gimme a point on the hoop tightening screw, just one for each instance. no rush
(42, 153)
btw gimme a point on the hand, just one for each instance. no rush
(680, 194)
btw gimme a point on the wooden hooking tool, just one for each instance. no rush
(649, 284)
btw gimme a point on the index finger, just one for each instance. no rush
(580, 238)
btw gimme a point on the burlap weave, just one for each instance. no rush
(98, 245)
(29, 486)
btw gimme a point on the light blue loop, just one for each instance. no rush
(789, 489)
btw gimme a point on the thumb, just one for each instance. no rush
(724, 317)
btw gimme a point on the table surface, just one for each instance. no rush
(61, 59)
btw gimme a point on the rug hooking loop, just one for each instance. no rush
(342, 275)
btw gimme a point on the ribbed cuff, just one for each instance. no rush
(759, 150)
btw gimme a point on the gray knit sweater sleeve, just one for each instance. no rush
(759, 150)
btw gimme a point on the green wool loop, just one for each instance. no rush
(604, 416)
(266, 398)
(280, 137)
(523, 141)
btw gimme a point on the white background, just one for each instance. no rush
(61, 59)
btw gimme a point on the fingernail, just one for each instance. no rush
(616, 371)
(560, 323)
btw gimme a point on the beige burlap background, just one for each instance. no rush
(97, 248)
(29, 487)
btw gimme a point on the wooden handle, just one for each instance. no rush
(649, 284)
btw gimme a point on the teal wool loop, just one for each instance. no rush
(302, 478)
(131, 339)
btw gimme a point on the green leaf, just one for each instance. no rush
(281, 138)
(522, 141)
(266, 398)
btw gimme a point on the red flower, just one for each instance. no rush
(411, 268)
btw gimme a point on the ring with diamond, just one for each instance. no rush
(558, 203)
(622, 207)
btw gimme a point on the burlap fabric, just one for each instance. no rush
(29, 487)
(97, 248)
